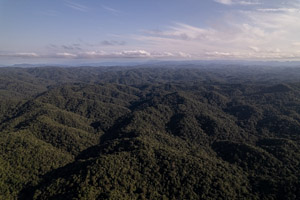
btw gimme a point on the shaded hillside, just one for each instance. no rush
(150, 133)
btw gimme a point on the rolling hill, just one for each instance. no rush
(183, 132)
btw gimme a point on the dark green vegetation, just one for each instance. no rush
(187, 132)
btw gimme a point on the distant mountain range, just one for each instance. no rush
(159, 132)
(160, 63)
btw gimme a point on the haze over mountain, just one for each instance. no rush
(212, 63)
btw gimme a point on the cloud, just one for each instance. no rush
(255, 49)
(76, 6)
(112, 43)
(135, 53)
(68, 47)
(226, 2)
(237, 2)
(62, 55)
(111, 10)
(71, 47)
(101, 54)
(247, 2)
(266, 33)
(26, 54)
(20, 55)
(291, 10)
(296, 44)
(183, 55)
(183, 32)
(130, 54)
(222, 54)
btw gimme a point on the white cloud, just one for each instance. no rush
(278, 10)
(20, 55)
(131, 54)
(135, 53)
(121, 54)
(268, 33)
(221, 54)
(76, 6)
(64, 55)
(265, 33)
(183, 32)
(255, 49)
(237, 2)
(27, 54)
(226, 2)
(101, 54)
(296, 44)
(251, 33)
(111, 10)
(184, 55)
(247, 2)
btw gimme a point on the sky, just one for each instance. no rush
(70, 31)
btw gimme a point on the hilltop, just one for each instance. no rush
(157, 132)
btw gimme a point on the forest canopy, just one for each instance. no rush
(150, 132)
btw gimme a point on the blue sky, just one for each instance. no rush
(40, 31)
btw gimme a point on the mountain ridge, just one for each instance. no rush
(120, 136)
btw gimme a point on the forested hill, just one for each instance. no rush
(149, 132)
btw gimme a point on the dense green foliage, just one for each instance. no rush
(185, 132)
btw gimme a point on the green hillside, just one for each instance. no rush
(188, 132)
